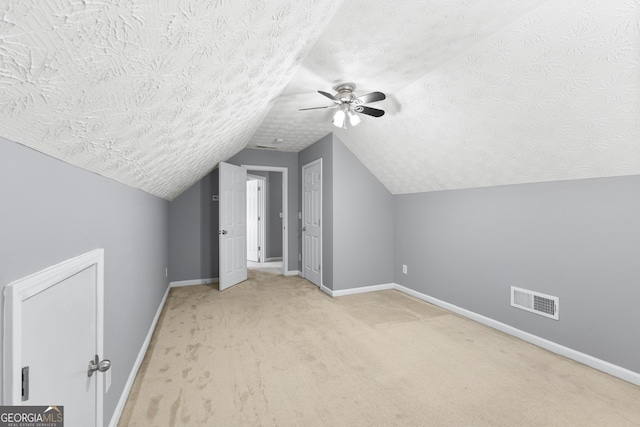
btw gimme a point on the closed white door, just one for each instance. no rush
(311, 222)
(59, 340)
(54, 330)
(253, 241)
(233, 225)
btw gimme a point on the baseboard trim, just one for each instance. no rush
(363, 289)
(593, 362)
(115, 418)
(293, 273)
(569, 353)
(194, 282)
(272, 259)
(326, 290)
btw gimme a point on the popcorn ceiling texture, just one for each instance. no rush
(155, 94)
(151, 93)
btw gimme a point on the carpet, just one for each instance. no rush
(276, 351)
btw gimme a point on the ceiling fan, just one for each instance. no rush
(348, 105)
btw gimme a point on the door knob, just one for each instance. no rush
(222, 232)
(98, 365)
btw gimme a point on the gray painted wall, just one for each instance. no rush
(52, 212)
(274, 222)
(577, 240)
(363, 244)
(322, 149)
(279, 159)
(193, 232)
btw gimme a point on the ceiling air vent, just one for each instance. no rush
(535, 302)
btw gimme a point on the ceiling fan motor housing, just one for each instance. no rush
(345, 92)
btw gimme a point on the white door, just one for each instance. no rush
(311, 220)
(55, 330)
(233, 225)
(51, 327)
(253, 241)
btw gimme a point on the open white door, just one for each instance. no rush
(233, 225)
(311, 220)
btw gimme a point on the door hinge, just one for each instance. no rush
(25, 383)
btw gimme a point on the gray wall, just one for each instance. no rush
(289, 161)
(323, 149)
(51, 212)
(274, 222)
(193, 232)
(363, 244)
(577, 240)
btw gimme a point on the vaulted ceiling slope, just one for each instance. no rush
(479, 92)
(152, 93)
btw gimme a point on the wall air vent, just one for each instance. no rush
(535, 302)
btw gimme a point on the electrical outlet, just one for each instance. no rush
(166, 272)
(404, 268)
(108, 380)
(299, 257)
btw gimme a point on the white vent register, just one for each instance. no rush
(535, 302)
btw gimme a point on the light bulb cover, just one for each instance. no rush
(339, 119)
(354, 120)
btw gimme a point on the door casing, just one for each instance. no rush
(285, 209)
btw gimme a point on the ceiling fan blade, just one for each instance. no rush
(328, 95)
(369, 111)
(371, 97)
(318, 108)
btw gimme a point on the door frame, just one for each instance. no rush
(285, 206)
(261, 213)
(17, 292)
(313, 163)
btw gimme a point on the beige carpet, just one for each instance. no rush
(276, 351)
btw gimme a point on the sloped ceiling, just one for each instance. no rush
(155, 94)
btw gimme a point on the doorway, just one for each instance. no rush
(274, 247)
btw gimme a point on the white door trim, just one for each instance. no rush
(16, 293)
(313, 163)
(262, 234)
(285, 211)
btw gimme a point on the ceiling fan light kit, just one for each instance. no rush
(348, 105)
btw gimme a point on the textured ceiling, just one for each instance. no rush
(479, 92)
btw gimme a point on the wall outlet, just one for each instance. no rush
(299, 257)
(166, 272)
(107, 379)
(299, 215)
(404, 268)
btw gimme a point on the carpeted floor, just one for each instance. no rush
(276, 351)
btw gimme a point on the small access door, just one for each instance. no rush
(53, 335)
(233, 225)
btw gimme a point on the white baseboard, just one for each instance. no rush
(292, 273)
(115, 418)
(193, 282)
(361, 290)
(326, 290)
(272, 259)
(569, 353)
